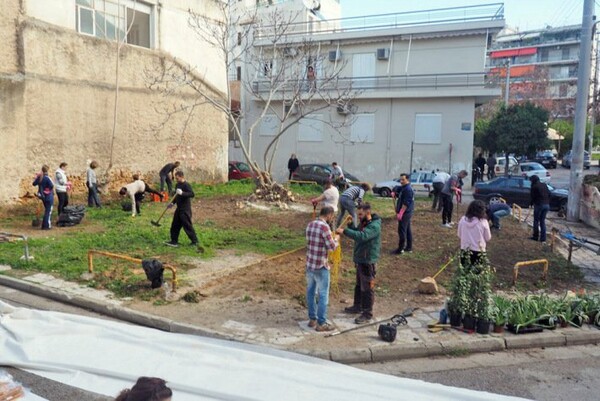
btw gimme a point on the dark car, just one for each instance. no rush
(568, 158)
(239, 171)
(317, 172)
(516, 190)
(546, 158)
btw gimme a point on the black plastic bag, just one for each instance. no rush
(154, 271)
(71, 215)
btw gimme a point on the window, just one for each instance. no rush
(310, 129)
(108, 19)
(428, 128)
(267, 68)
(269, 125)
(238, 73)
(239, 38)
(363, 129)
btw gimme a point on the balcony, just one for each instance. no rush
(486, 12)
(388, 86)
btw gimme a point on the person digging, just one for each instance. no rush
(367, 246)
(182, 218)
(136, 191)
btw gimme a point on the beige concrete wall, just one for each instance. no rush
(63, 111)
(9, 19)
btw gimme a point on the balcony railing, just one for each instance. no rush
(484, 12)
(384, 83)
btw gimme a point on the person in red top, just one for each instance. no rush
(319, 241)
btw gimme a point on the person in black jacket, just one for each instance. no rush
(404, 210)
(293, 164)
(540, 199)
(182, 218)
(166, 176)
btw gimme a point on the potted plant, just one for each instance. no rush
(522, 315)
(458, 302)
(499, 311)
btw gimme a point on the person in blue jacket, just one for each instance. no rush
(46, 194)
(405, 206)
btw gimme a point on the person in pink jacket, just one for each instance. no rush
(474, 232)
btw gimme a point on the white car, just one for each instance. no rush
(420, 181)
(501, 161)
(528, 169)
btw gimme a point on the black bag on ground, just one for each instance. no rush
(126, 205)
(154, 271)
(71, 215)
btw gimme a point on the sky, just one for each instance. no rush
(522, 14)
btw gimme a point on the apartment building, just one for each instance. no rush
(410, 83)
(58, 84)
(543, 66)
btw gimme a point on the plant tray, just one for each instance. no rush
(524, 330)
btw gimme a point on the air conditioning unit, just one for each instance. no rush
(290, 109)
(344, 109)
(290, 51)
(383, 54)
(335, 55)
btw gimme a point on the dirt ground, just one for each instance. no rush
(269, 292)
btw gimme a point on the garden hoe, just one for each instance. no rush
(400, 318)
(157, 222)
(428, 284)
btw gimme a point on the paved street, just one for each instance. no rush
(560, 175)
(546, 374)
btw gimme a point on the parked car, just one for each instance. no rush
(421, 182)
(239, 171)
(528, 169)
(501, 161)
(568, 158)
(517, 190)
(546, 158)
(318, 172)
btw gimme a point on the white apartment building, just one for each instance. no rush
(416, 78)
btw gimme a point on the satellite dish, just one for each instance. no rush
(312, 5)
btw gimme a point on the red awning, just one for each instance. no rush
(527, 51)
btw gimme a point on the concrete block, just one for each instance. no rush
(141, 318)
(351, 355)
(582, 336)
(317, 353)
(184, 328)
(536, 340)
(4, 268)
(477, 344)
(388, 352)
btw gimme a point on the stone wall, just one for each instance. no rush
(60, 108)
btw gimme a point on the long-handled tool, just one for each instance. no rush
(157, 222)
(428, 284)
(402, 316)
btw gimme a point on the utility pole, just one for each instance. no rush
(581, 106)
(594, 92)
(507, 85)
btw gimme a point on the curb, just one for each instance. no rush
(380, 353)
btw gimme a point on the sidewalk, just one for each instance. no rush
(413, 340)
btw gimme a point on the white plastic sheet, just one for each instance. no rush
(105, 357)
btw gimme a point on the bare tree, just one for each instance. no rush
(284, 72)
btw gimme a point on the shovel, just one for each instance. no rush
(36, 221)
(407, 312)
(428, 284)
(157, 222)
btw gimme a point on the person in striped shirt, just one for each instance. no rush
(319, 241)
(351, 198)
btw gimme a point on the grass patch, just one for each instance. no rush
(595, 156)
(231, 188)
(64, 252)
